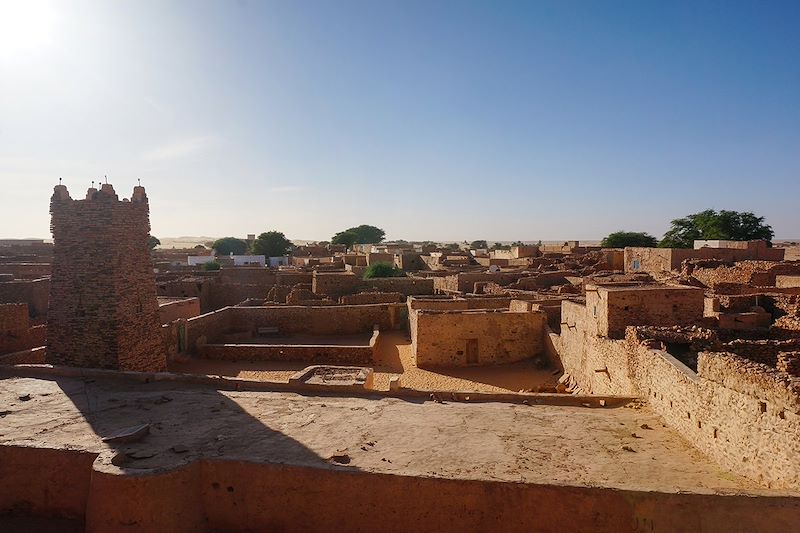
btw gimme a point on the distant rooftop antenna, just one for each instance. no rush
(140, 181)
(106, 177)
(59, 181)
(92, 184)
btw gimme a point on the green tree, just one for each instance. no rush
(228, 245)
(501, 246)
(272, 244)
(348, 238)
(621, 239)
(364, 234)
(382, 270)
(152, 242)
(710, 224)
(479, 245)
(211, 265)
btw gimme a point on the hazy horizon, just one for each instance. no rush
(441, 120)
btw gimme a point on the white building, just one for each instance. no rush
(249, 260)
(195, 260)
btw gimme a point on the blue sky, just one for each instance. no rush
(433, 120)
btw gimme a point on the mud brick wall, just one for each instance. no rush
(465, 281)
(408, 286)
(752, 273)
(786, 327)
(16, 332)
(25, 270)
(35, 293)
(599, 365)
(410, 262)
(450, 339)
(293, 278)
(789, 362)
(743, 414)
(169, 310)
(787, 281)
(208, 327)
(335, 284)
(302, 296)
(324, 320)
(459, 304)
(248, 276)
(103, 306)
(315, 354)
(661, 259)
(30, 356)
(224, 294)
(762, 351)
(617, 308)
(372, 298)
(543, 280)
(278, 293)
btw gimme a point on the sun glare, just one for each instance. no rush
(25, 26)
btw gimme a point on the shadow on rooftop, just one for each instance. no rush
(186, 423)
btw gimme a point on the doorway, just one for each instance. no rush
(472, 351)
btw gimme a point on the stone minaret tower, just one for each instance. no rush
(103, 306)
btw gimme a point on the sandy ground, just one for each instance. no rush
(625, 447)
(395, 357)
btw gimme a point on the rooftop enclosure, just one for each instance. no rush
(340, 334)
(614, 307)
(103, 308)
(461, 336)
(337, 284)
(464, 282)
(663, 259)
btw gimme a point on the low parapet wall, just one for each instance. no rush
(313, 353)
(170, 309)
(290, 320)
(236, 495)
(31, 356)
(743, 414)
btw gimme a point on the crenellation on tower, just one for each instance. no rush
(103, 304)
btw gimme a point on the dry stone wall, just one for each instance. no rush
(103, 306)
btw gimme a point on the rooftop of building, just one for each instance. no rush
(624, 447)
(625, 287)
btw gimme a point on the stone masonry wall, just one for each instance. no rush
(743, 414)
(443, 338)
(169, 310)
(292, 320)
(16, 333)
(103, 307)
(35, 293)
(337, 284)
(618, 307)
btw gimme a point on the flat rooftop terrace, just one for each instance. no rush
(490, 441)
(268, 461)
